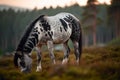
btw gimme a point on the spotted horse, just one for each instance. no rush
(49, 30)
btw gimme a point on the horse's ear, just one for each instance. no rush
(16, 59)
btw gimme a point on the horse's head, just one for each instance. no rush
(23, 61)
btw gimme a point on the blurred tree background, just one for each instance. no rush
(89, 20)
(100, 23)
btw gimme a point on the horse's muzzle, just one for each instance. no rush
(26, 70)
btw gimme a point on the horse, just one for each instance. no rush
(49, 30)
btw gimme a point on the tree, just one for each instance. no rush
(114, 13)
(90, 18)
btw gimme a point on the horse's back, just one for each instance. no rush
(61, 26)
(63, 15)
(61, 29)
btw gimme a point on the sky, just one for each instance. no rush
(31, 4)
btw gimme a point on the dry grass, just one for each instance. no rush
(95, 64)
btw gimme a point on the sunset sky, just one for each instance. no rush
(46, 3)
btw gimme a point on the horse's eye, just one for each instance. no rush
(22, 64)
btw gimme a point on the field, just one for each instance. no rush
(95, 64)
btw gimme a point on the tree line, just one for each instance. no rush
(100, 23)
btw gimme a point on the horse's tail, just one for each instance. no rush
(80, 41)
(77, 35)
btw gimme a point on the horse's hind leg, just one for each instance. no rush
(66, 50)
(50, 48)
(76, 49)
(39, 68)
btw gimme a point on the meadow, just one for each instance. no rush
(101, 63)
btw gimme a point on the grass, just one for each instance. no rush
(114, 42)
(95, 64)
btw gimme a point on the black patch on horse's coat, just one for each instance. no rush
(38, 32)
(52, 33)
(41, 29)
(36, 37)
(40, 24)
(67, 19)
(30, 45)
(45, 34)
(45, 25)
(35, 30)
(22, 63)
(49, 33)
(70, 18)
(64, 24)
(33, 40)
(26, 49)
(60, 29)
(24, 38)
(48, 26)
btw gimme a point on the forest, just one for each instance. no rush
(100, 24)
(100, 59)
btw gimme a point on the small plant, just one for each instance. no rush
(114, 42)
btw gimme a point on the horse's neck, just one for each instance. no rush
(31, 41)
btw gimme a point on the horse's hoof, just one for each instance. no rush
(38, 69)
(65, 61)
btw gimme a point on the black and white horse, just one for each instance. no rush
(49, 30)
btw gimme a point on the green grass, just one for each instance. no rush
(95, 64)
(114, 42)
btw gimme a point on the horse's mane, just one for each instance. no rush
(27, 33)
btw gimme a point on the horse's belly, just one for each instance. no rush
(61, 37)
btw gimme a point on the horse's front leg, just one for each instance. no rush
(51, 48)
(39, 67)
(66, 51)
